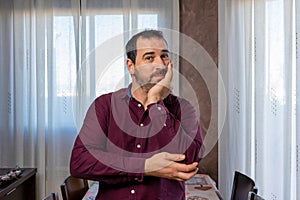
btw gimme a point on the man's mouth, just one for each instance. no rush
(159, 73)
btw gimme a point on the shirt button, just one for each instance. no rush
(159, 108)
(136, 179)
(139, 105)
(165, 124)
(141, 124)
(138, 146)
(132, 191)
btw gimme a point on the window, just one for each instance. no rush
(99, 28)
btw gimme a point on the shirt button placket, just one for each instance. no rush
(132, 194)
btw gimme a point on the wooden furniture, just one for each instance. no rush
(241, 187)
(254, 196)
(52, 196)
(22, 188)
(74, 188)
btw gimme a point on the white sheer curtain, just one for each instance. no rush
(104, 28)
(259, 63)
(45, 45)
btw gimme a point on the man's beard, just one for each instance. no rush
(146, 85)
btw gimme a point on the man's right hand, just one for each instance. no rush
(162, 89)
(165, 165)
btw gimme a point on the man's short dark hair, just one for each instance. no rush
(131, 44)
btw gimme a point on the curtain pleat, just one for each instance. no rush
(235, 148)
(258, 60)
(297, 137)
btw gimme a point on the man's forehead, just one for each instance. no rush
(150, 43)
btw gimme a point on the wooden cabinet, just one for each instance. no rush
(22, 188)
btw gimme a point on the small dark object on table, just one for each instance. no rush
(10, 176)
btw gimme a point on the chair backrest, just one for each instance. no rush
(241, 187)
(254, 196)
(52, 196)
(74, 188)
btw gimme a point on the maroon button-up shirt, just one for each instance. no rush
(118, 135)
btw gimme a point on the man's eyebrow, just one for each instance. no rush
(152, 52)
(148, 53)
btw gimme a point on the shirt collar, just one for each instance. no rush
(127, 93)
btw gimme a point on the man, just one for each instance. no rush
(140, 142)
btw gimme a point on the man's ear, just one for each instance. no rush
(130, 66)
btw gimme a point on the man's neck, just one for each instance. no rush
(139, 93)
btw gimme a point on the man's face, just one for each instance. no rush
(151, 61)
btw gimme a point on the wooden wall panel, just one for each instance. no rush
(199, 20)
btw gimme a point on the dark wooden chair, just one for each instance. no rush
(241, 187)
(254, 196)
(73, 188)
(52, 196)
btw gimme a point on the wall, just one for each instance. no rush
(199, 20)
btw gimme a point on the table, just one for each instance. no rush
(22, 188)
(200, 187)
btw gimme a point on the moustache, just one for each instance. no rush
(159, 72)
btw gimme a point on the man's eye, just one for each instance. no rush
(149, 58)
(165, 57)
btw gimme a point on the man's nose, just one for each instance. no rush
(160, 62)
